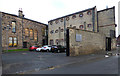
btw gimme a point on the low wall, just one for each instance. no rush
(85, 42)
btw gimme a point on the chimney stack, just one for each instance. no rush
(20, 12)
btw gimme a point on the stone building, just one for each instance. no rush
(20, 32)
(85, 20)
(96, 30)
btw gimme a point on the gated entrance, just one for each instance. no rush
(67, 43)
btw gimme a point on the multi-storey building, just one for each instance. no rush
(97, 23)
(20, 32)
(84, 20)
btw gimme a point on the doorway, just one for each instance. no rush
(24, 44)
(108, 44)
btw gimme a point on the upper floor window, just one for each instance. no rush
(56, 21)
(67, 18)
(62, 30)
(61, 19)
(52, 31)
(26, 32)
(74, 16)
(89, 25)
(89, 12)
(81, 15)
(51, 23)
(81, 27)
(56, 31)
(13, 26)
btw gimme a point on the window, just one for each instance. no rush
(51, 42)
(35, 35)
(112, 33)
(81, 15)
(89, 12)
(81, 27)
(61, 19)
(52, 31)
(67, 18)
(12, 41)
(51, 23)
(56, 31)
(31, 33)
(62, 30)
(26, 32)
(74, 16)
(15, 41)
(89, 25)
(56, 21)
(57, 41)
(13, 27)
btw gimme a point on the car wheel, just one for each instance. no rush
(47, 50)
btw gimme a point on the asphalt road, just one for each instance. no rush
(57, 63)
(104, 66)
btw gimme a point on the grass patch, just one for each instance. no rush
(15, 50)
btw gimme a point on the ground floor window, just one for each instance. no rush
(12, 41)
(51, 42)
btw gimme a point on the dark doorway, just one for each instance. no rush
(24, 44)
(108, 44)
(67, 43)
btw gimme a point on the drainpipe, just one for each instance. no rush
(64, 32)
(93, 19)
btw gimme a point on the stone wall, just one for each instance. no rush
(106, 21)
(90, 42)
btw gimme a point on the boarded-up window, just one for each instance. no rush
(26, 32)
(13, 27)
(35, 35)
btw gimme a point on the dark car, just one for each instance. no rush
(33, 48)
(58, 48)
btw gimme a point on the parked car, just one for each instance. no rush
(46, 48)
(38, 49)
(58, 48)
(33, 48)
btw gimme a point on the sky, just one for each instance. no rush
(46, 10)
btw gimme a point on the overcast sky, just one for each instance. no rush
(45, 10)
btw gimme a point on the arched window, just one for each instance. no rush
(31, 33)
(26, 32)
(35, 35)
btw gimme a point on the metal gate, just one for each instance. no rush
(67, 43)
(108, 44)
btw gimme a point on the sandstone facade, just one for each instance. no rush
(22, 32)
